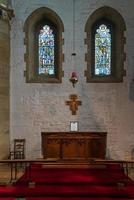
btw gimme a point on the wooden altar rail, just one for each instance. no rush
(26, 163)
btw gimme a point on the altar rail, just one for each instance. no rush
(16, 164)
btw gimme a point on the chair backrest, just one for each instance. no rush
(132, 154)
(19, 148)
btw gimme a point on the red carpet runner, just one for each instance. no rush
(71, 184)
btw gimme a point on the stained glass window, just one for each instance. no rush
(102, 51)
(46, 43)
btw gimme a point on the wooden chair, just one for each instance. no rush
(19, 149)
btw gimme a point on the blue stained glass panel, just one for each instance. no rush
(102, 51)
(46, 51)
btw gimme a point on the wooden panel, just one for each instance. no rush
(73, 149)
(52, 148)
(74, 146)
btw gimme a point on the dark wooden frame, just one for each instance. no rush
(31, 57)
(115, 20)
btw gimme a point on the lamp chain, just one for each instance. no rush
(73, 26)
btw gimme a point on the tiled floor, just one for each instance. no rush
(5, 174)
(131, 174)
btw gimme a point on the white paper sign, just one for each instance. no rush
(73, 126)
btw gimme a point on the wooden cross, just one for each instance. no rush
(73, 103)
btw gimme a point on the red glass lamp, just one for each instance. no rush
(74, 78)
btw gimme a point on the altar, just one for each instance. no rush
(75, 146)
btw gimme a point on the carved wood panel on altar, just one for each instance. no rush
(73, 146)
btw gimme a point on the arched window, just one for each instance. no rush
(43, 39)
(105, 46)
(102, 49)
(46, 46)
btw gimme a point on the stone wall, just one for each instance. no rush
(41, 107)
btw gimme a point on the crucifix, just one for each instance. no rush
(73, 103)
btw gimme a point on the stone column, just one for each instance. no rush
(4, 80)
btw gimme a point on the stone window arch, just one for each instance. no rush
(43, 39)
(105, 55)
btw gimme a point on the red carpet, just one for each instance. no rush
(72, 184)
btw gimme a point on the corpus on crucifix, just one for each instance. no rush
(73, 103)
